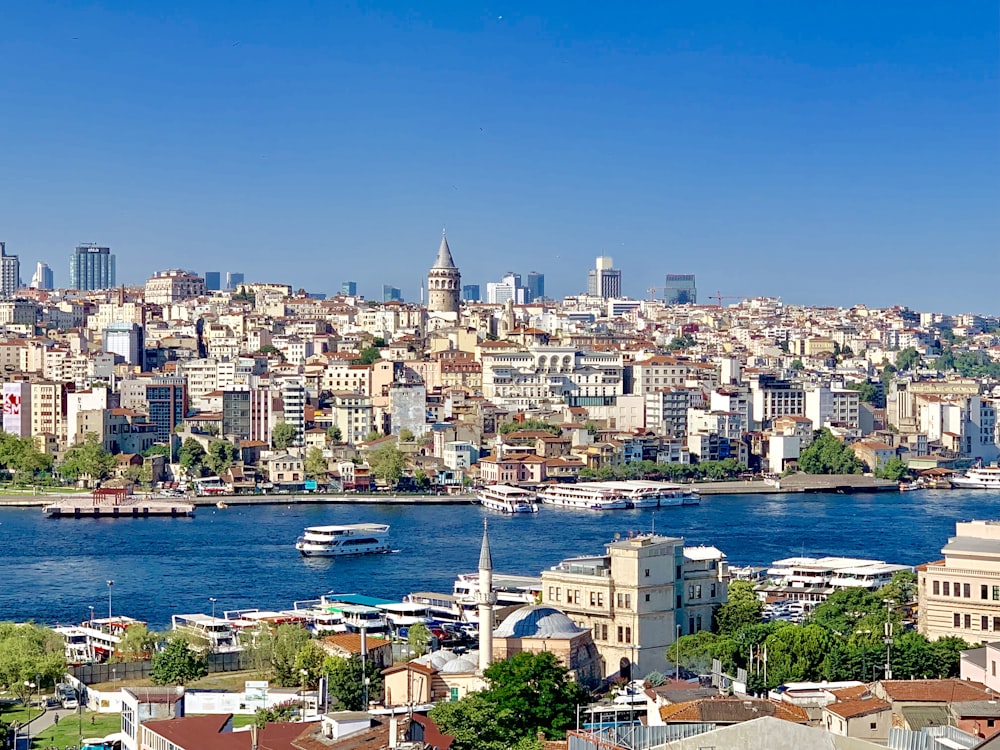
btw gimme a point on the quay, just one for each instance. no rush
(107, 502)
(795, 483)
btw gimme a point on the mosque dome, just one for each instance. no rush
(538, 621)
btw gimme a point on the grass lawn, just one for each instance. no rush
(67, 732)
(218, 681)
(17, 712)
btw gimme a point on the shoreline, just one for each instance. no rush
(797, 483)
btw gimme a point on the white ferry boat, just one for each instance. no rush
(983, 478)
(583, 496)
(507, 499)
(352, 539)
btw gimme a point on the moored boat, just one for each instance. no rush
(982, 478)
(583, 496)
(504, 498)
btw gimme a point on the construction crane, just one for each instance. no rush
(718, 297)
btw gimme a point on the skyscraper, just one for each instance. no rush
(10, 272)
(391, 294)
(535, 286)
(444, 282)
(91, 267)
(349, 288)
(213, 281)
(679, 289)
(234, 279)
(42, 278)
(470, 293)
(167, 400)
(604, 280)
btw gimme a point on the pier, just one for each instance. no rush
(116, 503)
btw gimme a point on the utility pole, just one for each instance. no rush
(888, 637)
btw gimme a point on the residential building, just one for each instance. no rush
(960, 595)
(91, 267)
(604, 280)
(125, 340)
(679, 289)
(460, 455)
(285, 469)
(246, 413)
(167, 287)
(353, 414)
(10, 272)
(774, 397)
(17, 409)
(293, 398)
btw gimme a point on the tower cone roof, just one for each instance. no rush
(485, 558)
(444, 259)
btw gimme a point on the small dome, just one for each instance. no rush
(459, 666)
(538, 621)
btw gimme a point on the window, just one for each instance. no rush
(996, 593)
(946, 587)
(621, 633)
(957, 621)
(873, 725)
(966, 590)
(968, 622)
(679, 604)
(984, 623)
(647, 597)
(984, 592)
(628, 634)
(604, 632)
(712, 591)
(936, 588)
(647, 572)
(993, 667)
(600, 599)
(697, 622)
(690, 625)
(593, 599)
(678, 572)
(453, 694)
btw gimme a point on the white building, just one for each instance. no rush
(552, 375)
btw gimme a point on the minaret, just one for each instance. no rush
(486, 599)
(444, 282)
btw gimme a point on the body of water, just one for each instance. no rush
(53, 570)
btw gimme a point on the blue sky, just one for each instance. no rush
(826, 153)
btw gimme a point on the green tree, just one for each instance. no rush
(797, 365)
(867, 392)
(418, 637)
(368, 355)
(192, 457)
(827, 455)
(684, 341)
(475, 722)
(87, 459)
(289, 641)
(309, 660)
(387, 462)
(696, 651)
(177, 664)
(220, 456)
(345, 681)
(29, 653)
(529, 425)
(283, 712)
(315, 464)
(372, 436)
(797, 653)
(945, 362)
(895, 469)
(902, 588)
(282, 436)
(406, 435)
(137, 643)
(335, 435)
(534, 693)
(743, 608)
(907, 359)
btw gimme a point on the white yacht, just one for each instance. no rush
(583, 496)
(982, 478)
(352, 539)
(637, 494)
(507, 499)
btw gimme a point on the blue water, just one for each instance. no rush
(53, 570)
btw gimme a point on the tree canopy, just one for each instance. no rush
(314, 464)
(387, 462)
(828, 455)
(907, 359)
(530, 425)
(526, 694)
(137, 643)
(87, 459)
(282, 436)
(177, 664)
(743, 608)
(29, 653)
(345, 680)
(20, 457)
(221, 455)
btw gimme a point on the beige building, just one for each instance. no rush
(352, 413)
(538, 628)
(960, 595)
(633, 598)
(166, 287)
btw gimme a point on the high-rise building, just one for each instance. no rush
(293, 398)
(470, 293)
(213, 281)
(679, 289)
(42, 278)
(167, 402)
(234, 279)
(10, 272)
(604, 280)
(444, 282)
(125, 340)
(535, 286)
(508, 288)
(349, 288)
(391, 294)
(246, 413)
(91, 267)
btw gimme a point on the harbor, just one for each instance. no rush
(245, 556)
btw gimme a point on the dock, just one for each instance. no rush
(844, 483)
(116, 503)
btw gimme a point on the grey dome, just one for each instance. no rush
(538, 621)
(462, 665)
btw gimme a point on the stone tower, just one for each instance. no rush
(486, 599)
(444, 282)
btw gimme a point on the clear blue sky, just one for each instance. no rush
(827, 153)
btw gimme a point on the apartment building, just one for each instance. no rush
(960, 595)
(353, 414)
(552, 375)
(166, 287)
(774, 397)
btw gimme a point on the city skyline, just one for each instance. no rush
(827, 156)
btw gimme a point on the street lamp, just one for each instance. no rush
(888, 637)
(91, 616)
(31, 688)
(110, 584)
(304, 673)
(213, 600)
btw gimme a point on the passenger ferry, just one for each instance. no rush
(506, 499)
(982, 478)
(583, 496)
(352, 539)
